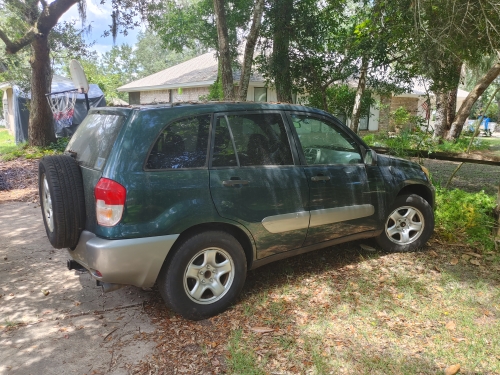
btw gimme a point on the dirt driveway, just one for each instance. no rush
(56, 321)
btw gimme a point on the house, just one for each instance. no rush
(191, 80)
(188, 81)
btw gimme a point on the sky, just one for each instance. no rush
(99, 17)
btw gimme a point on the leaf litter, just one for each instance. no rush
(343, 310)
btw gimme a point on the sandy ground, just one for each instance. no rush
(75, 328)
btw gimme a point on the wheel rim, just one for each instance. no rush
(47, 204)
(209, 275)
(404, 225)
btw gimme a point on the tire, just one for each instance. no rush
(62, 200)
(409, 225)
(204, 275)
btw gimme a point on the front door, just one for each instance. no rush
(253, 180)
(340, 199)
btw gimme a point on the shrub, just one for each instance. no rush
(463, 216)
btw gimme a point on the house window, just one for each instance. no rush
(134, 98)
(260, 94)
(364, 122)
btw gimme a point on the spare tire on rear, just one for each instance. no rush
(62, 199)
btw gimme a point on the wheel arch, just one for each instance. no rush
(420, 190)
(241, 236)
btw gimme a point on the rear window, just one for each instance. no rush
(94, 139)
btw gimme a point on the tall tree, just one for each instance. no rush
(464, 31)
(40, 18)
(209, 24)
(225, 68)
(280, 60)
(253, 34)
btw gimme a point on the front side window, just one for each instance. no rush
(182, 144)
(323, 142)
(251, 140)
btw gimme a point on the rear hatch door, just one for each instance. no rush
(91, 146)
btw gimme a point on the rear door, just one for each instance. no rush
(255, 182)
(340, 199)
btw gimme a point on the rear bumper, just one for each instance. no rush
(135, 261)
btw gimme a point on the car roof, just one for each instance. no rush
(222, 106)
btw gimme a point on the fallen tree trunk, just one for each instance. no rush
(447, 156)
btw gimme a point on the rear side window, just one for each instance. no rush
(182, 144)
(251, 140)
(94, 139)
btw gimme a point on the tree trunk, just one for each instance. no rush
(477, 91)
(440, 123)
(451, 107)
(224, 54)
(324, 100)
(356, 111)
(41, 123)
(281, 43)
(246, 68)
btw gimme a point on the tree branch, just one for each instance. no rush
(51, 14)
(14, 47)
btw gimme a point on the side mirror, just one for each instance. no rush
(370, 157)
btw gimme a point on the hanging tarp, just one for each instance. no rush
(22, 114)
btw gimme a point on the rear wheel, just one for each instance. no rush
(61, 199)
(204, 275)
(409, 225)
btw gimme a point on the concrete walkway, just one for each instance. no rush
(75, 328)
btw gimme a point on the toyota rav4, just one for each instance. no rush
(191, 196)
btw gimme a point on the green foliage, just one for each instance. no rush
(215, 91)
(190, 24)
(462, 216)
(418, 139)
(150, 55)
(10, 151)
(403, 119)
(340, 100)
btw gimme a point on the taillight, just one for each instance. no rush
(109, 202)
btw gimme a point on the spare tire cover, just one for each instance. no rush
(62, 199)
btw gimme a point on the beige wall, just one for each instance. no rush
(383, 120)
(191, 94)
(157, 96)
(163, 96)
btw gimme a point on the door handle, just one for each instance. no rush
(232, 182)
(320, 178)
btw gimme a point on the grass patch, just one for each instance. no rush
(347, 311)
(493, 145)
(9, 150)
(393, 314)
(7, 142)
(242, 359)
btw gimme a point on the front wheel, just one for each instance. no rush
(204, 275)
(409, 225)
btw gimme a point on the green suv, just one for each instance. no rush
(191, 196)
